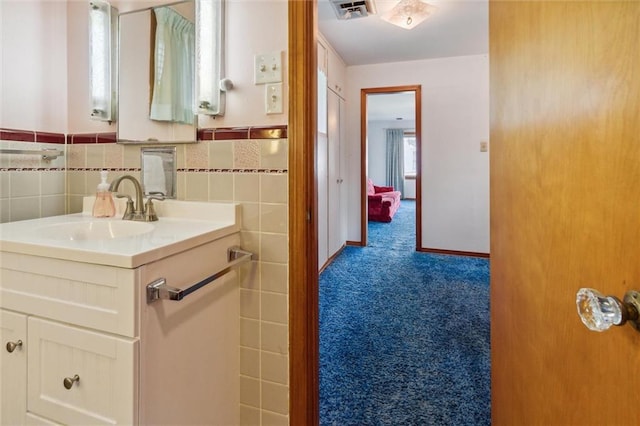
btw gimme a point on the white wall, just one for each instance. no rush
(33, 45)
(455, 119)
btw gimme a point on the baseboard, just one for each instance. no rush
(355, 243)
(455, 252)
(328, 262)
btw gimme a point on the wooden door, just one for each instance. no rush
(565, 208)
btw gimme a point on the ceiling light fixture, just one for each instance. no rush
(409, 13)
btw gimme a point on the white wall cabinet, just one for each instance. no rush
(337, 234)
(331, 167)
(337, 74)
(95, 352)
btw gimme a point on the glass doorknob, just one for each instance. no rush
(599, 312)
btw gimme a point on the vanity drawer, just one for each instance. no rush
(105, 367)
(94, 296)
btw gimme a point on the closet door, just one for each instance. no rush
(336, 216)
(322, 162)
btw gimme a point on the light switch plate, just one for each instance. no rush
(273, 98)
(484, 146)
(267, 68)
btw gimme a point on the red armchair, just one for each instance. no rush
(383, 202)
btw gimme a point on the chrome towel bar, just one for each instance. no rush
(159, 289)
(47, 154)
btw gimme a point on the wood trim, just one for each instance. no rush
(417, 89)
(454, 252)
(354, 243)
(303, 215)
(363, 168)
(332, 258)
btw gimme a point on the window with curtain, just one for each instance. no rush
(410, 155)
(174, 63)
(395, 159)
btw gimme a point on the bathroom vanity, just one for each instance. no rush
(82, 342)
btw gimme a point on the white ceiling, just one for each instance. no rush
(458, 28)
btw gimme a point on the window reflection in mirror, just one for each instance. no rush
(156, 74)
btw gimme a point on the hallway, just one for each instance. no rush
(404, 336)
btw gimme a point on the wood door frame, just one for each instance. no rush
(417, 90)
(303, 215)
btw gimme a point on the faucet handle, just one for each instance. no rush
(156, 196)
(128, 212)
(149, 210)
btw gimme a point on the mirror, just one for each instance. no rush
(157, 48)
(159, 174)
(156, 75)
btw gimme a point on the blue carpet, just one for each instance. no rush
(404, 336)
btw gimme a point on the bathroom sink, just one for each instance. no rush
(80, 237)
(94, 230)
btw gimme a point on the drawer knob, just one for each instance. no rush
(69, 381)
(11, 346)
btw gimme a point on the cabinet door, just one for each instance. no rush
(337, 74)
(334, 183)
(13, 368)
(323, 54)
(105, 366)
(323, 207)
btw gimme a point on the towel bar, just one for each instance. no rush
(47, 154)
(159, 289)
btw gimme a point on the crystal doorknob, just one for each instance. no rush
(599, 312)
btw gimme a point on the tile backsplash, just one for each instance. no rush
(244, 165)
(30, 186)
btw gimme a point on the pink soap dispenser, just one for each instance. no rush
(104, 205)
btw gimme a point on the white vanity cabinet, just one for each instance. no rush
(13, 367)
(95, 352)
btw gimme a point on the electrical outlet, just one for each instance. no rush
(273, 98)
(267, 68)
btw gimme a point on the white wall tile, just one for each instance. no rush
(275, 397)
(53, 183)
(25, 208)
(25, 184)
(275, 367)
(274, 308)
(273, 188)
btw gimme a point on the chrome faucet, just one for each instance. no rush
(138, 211)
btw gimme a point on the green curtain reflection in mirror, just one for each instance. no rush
(173, 90)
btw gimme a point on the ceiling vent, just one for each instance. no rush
(353, 9)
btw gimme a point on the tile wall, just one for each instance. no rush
(245, 165)
(31, 187)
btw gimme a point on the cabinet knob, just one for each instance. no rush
(11, 346)
(69, 381)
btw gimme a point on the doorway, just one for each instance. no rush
(383, 106)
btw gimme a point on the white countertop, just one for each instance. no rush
(181, 226)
